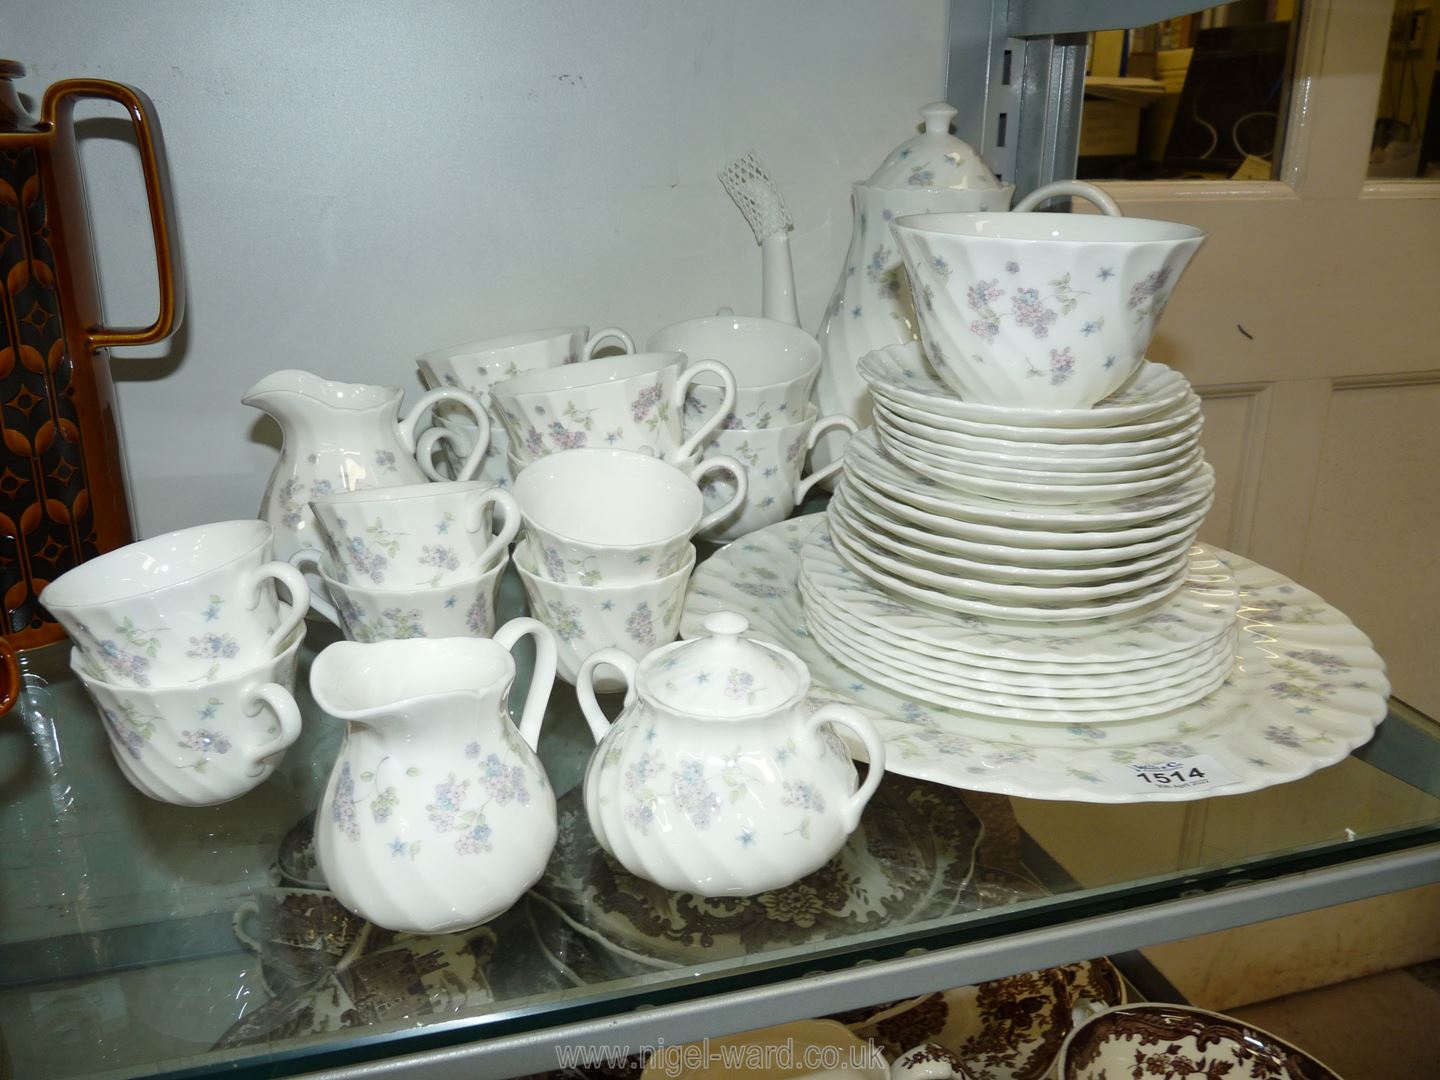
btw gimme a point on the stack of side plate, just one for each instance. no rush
(1022, 514)
(981, 556)
(1121, 665)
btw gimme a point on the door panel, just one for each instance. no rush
(1373, 544)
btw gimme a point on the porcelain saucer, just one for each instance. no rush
(902, 373)
(1167, 422)
(978, 673)
(865, 460)
(1025, 546)
(1074, 489)
(1111, 454)
(1012, 605)
(1009, 584)
(1039, 710)
(1060, 469)
(1195, 614)
(1049, 572)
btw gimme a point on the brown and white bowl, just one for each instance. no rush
(1159, 1040)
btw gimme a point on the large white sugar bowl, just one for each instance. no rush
(1047, 311)
(717, 778)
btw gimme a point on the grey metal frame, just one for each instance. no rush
(923, 972)
(1017, 76)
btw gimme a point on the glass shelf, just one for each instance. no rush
(119, 951)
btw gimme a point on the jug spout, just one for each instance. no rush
(295, 392)
(414, 687)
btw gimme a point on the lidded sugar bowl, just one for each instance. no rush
(717, 778)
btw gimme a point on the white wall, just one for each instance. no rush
(358, 183)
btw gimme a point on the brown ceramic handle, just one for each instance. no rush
(56, 110)
(9, 676)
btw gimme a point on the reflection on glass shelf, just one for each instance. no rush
(1201, 96)
(138, 937)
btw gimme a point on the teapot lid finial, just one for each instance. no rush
(726, 624)
(723, 674)
(938, 116)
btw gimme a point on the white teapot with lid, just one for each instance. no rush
(716, 779)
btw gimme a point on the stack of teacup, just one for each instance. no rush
(771, 427)
(188, 652)
(628, 402)
(606, 555)
(416, 560)
(477, 366)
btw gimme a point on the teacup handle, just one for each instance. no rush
(821, 426)
(1088, 192)
(298, 588)
(688, 448)
(542, 676)
(321, 605)
(280, 702)
(425, 450)
(412, 421)
(722, 463)
(508, 527)
(846, 716)
(585, 686)
(610, 333)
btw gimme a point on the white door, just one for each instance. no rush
(1310, 324)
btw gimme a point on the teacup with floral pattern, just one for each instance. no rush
(416, 535)
(615, 517)
(476, 366)
(1048, 311)
(775, 367)
(191, 606)
(464, 608)
(774, 458)
(205, 744)
(636, 617)
(633, 402)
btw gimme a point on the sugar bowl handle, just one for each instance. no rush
(585, 686)
(846, 716)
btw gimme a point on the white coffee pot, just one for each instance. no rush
(718, 778)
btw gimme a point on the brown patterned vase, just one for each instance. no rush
(62, 490)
